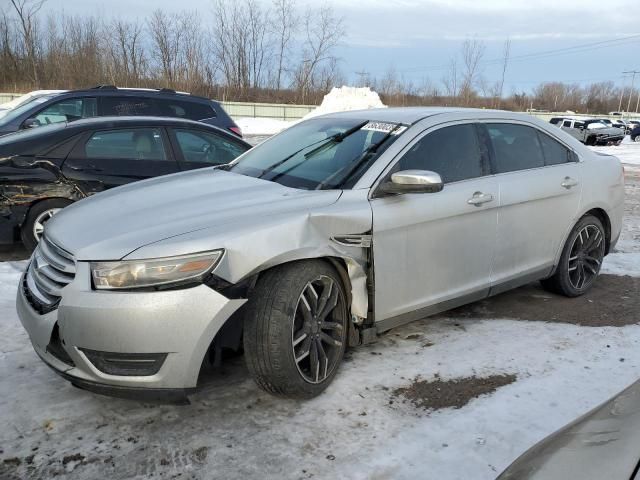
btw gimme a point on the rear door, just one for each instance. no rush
(197, 148)
(108, 158)
(539, 180)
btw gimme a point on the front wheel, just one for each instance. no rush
(295, 328)
(581, 259)
(33, 226)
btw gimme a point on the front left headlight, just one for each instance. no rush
(128, 274)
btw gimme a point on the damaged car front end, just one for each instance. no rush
(135, 304)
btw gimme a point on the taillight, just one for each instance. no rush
(236, 130)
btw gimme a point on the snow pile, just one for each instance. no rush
(347, 98)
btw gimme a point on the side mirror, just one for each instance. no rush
(413, 181)
(31, 123)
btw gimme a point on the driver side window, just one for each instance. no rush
(208, 148)
(453, 152)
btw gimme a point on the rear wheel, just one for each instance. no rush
(295, 329)
(33, 226)
(581, 259)
(636, 138)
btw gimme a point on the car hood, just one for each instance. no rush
(112, 224)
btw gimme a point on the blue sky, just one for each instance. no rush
(417, 38)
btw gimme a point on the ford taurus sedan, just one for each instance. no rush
(335, 230)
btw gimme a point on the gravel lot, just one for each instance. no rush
(456, 396)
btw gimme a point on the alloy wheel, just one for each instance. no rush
(586, 257)
(44, 217)
(319, 329)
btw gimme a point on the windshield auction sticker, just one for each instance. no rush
(385, 127)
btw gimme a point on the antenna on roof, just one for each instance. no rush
(104, 87)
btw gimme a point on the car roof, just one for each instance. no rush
(109, 91)
(411, 115)
(123, 122)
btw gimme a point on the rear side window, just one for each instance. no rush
(182, 109)
(453, 152)
(206, 148)
(554, 152)
(566, 123)
(515, 147)
(127, 106)
(134, 144)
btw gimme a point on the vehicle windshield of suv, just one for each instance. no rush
(16, 112)
(319, 154)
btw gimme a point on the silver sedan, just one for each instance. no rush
(333, 231)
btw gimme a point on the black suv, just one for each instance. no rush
(45, 169)
(107, 100)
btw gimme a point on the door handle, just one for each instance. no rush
(569, 182)
(479, 198)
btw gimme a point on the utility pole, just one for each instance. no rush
(621, 93)
(363, 75)
(633, 77)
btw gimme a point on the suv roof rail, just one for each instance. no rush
(104, 87)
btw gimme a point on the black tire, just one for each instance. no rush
(274, 317)
(589, 234)
(27, 234)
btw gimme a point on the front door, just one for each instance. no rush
(434, 250)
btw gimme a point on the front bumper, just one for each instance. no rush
(181, 323)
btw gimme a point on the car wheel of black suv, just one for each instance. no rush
(38, 215)
(581, 259)
(295, 328)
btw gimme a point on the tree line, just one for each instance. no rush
(246, 50)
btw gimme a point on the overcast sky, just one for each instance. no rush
(418, 37)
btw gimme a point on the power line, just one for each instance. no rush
(586, 47)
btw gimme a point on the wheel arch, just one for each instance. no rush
(230, 333)
(38, 201)
(601, 215)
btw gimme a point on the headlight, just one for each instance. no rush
(152, 272)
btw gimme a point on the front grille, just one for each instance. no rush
(50, 270)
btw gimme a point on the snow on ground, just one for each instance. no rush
(628, 152)
(357, 429)
(262, 126)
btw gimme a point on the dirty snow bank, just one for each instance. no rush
(345, 99)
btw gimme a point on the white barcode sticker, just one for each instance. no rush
(385, 127)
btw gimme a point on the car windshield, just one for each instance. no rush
(16, 112)
(319, 154)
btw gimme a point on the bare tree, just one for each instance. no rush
(284, 26)
(27, 11)
(450, 80)
(472, 53)
(166, 36)
(506, 50)
(322, 33)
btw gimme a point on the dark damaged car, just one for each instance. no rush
(45, 169)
